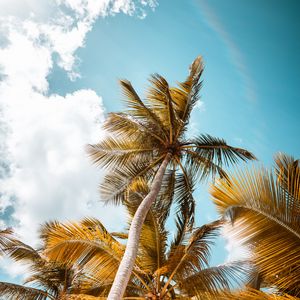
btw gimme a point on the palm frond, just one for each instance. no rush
(6, 238)
(186, 95)
(139, 110)
(112, 152)
(13, 291)
(202, 167)
(19, 251)
(192, 256)
(265, 219)
(126, 125)
(86, 244)
(214, 279)
(218, 151)
(287, 170)
(248, 294)
(161, 101)
(114, 186)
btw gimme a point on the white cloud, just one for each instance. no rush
(234, 245)
(43, 135)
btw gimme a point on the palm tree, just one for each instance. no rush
(149, 141)
(264, 208)
(164, 269)
(54, 280)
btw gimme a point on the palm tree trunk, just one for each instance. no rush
(128, 260)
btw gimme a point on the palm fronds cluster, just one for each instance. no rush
(152, 168)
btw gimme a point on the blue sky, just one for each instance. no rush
(249, 95)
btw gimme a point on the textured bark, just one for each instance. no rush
(124, 271)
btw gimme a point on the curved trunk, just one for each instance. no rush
(128, 260)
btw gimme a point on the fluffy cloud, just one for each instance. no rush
(234, 246)
(44, 171)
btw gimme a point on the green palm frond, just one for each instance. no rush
(266, 218)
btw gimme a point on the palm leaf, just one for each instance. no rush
(18, 292)
(112, 152)
(186, 95)
(266, 219)
(126, 125)
(214, 279)
(6, 238)
(249, 294)
(287, 170)
(192, 255)
(160, 99)
(114, 186)
(218, 151)
(139, 110)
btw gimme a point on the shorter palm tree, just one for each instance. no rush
(47, 279)
(264, 208)
(165, 268)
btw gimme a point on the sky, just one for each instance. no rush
(60, 62)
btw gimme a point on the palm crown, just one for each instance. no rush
(139, 139)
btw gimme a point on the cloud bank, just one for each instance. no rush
(44, 171)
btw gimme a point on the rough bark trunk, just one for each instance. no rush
(128, 260)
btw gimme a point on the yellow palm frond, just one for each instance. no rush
(86, 243)
(192, 254)
(214, 279)
(160, 99)
(186, 95)
(139, 110)
(249, 294)
(129, 127)
(112, 152)
(288, 172)
(266, 218)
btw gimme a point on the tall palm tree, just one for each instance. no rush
(53, 280)
(164, 269)
(264, 207)
(149, 141)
